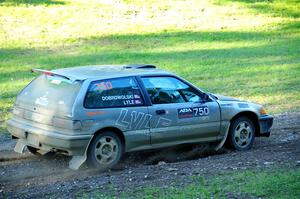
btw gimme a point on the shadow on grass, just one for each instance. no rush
(30, 2)
(147, 49)
(278, 8)
(129, 42)
(263, 63)
(133, 48)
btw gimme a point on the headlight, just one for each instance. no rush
(262, 111)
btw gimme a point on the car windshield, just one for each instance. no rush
(50, 92)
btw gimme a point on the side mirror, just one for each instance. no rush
(206, 97)
(203, 97)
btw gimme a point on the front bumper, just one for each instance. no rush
(265, 124)
(48, 140)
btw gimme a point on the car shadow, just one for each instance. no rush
(173, 154)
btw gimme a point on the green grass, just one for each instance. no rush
(272, 183)
(244, 49)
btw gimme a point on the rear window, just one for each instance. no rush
(120, 92)
(51, 92)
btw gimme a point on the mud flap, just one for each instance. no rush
(20, 146)
(220, 145)
(77, 161)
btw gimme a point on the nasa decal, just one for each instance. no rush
(193, 112)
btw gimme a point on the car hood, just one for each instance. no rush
(225, 98)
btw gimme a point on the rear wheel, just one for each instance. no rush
(33, 150)
(241, 134)
(105, 150)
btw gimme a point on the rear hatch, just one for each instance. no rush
(49, 100)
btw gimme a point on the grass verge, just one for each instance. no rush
(273, 183)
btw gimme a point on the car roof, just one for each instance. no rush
(110, 71)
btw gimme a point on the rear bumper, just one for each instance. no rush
(265, 123)
(48, 140)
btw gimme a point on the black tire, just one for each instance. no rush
(105, 150)
(241, 134)
(33, 150)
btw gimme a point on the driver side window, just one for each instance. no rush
(165, 90)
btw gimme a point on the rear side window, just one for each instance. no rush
(119, 92)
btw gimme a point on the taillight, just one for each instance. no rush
(18, 112)
(66, 124)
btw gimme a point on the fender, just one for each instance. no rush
(78, 160)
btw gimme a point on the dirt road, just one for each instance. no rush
(29, 176)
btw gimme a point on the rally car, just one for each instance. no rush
(97, 113)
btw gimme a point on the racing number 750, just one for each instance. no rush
(201, 111)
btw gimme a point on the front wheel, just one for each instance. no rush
(105, 150)
(241, 134)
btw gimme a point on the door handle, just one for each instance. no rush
(161, 112)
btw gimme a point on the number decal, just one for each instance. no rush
(201, 111)
(109, 85)
(193, 112)
(104, 86)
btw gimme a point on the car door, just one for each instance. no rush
(179, 114)
(118, 102)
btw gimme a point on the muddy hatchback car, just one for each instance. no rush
(97, 113)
